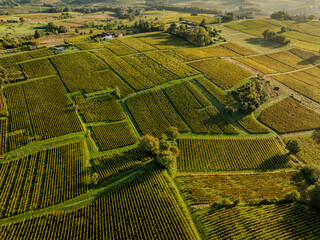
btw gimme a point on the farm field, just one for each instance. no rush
(221, 154)
(289, 116)
(116, 130)
(209, 189)
(278, 221)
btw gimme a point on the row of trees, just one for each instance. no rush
(273, 36)
(282, 15)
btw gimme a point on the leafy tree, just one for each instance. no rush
(117, 92)
(314, 194)
(149, 144)
(174, 151)
(164, 145)
(312, 173)
(166, 160)
(181, 19)
(293, 146)
(38, 34)
(293, 196)
(281, 15)
(203, 23)
(95, 178)
(22, 19)
(312, 17)
(172, 133)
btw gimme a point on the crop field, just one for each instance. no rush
(48, 103)
(108, 166)
(256, 65)
(150, 199)
(3, 138)
(89, 45)
(289, 116)
(238, 49)
(154, 113)
(221, 72)
(17, 108)
(315, 71)
(302, 37)
(275, 221)
(134, 78)
(172, 64)
(114, 135)
(42, 179)
(37, 68)
(309, 144)
(39, 53)
(219, 51)
(306, 78)
(11, 69)
(272, 63)
(18, 140)
(310, 57)
(217, 92)
(289, 59)
(120, 48)
(101, 109)
(137, 44)
(78, 71)
(208, 189)
(222, 154)
(162, 41)
(300, 86)
(195, 110)
(250, 124)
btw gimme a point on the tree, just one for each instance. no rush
(166, 160)
(293, 196)
(172, 133)
(181, 19)
(281, 15)
(22, 19)
(172, 29)
(203, 23)
(312, 17)
(37, 34)
(293, 146)
(314, 194)
(312, 173)
(91, 31)
(174, 151)
(95, 178)
(149, 144)
(164, 145)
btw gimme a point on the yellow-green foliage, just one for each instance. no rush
(310, 147)
(299, 86)
(258, 66)
(272, 63)
(108, 166)
(101, 109)
(289, 59)
(306, 78)
(250, 124)
(311, 57)
(137, 44)
(289, 116)
(219, 51)
(43, 52)
(209, 188)
(238, 49)
(37, 68)
(120, 48)
(89, 45)
(3, 138)
(221, 72)
(287, 220)
(114, 135)
(217, 92)
(230, 154)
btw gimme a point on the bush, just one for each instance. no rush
(292, 196)
(314, 194)
(172, 133)
(166, 160)
(149, 144)
(312, 173)
(95, 178)
(293, 146)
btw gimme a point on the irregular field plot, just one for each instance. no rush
(250, 124)
(289, 116)
(114, 135)
(289, 59)
(310, 57)
(208, 189)
(230, 154)
(276, 221)
(310, 147)
(255, 65)
(19, 140)
(108, 166)
(42, 179)
(37, 68)
(147, 197)
(137, 44)
(238, 49)
(89, 45)
(3, 138)
(272, 63)
(44, 52)
(120, 48)
(221, 72)
(154, 113)
(101, 109)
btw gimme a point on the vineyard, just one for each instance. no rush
(137, 44)
(101, 109)
(37, 68)
(208, 189)
(250, 124)
(111, 165)
(221, 72)
(289, 116)
(148, 200)
(222, 154)
(276, 221)
(114, 135)
(42, 179)
(3, 139)
(120, 48)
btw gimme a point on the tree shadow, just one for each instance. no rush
(277, 161)
(316, 136)
(264, 43)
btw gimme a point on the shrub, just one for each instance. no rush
(314, 194)
(293, 146)
(312, 173)
(292, 196)
(166, 160)
(149, 144)
(172, 133)
(95, 178)
(117, 92)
